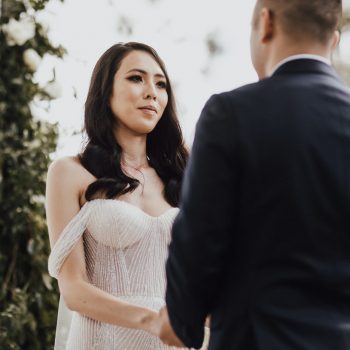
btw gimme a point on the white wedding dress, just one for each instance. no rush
(125, 253)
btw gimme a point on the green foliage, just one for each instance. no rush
(28, 298)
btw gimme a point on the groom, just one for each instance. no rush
(262, 241)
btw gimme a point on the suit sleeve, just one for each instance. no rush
(202, 231)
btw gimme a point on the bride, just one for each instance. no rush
(110, 209)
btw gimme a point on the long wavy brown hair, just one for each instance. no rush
(102, 154)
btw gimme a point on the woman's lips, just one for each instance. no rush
(148, 110)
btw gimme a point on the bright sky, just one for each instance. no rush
(176, 29)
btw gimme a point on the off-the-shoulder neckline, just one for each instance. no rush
(99, 200)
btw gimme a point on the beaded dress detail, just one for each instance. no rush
(125, 253)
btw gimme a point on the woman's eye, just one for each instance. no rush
(136, 78)
(162, 84)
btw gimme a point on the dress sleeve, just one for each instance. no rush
(68, 238)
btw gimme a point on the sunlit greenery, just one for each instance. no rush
(28, 298)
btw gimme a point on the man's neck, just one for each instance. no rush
(298, 57)
(286, 53)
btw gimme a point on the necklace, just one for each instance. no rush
(138, 169)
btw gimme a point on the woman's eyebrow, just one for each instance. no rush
(158, 75)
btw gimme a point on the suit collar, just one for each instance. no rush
(300, 56)
(305, 65)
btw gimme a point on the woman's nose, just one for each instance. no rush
(150, 91)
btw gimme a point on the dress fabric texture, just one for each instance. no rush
(125, 253)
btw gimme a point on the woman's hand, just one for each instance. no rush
(151, 323)
(166, 332)
(158, 324)
(207, 321)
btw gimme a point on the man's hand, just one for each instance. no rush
(166, 333)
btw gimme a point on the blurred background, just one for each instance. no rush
(48, 49)
(205, 46)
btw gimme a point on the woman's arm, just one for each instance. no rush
(64, 186)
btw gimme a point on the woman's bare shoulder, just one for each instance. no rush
(69, 169)
(68, 165)
(68, 176)
(65, 164)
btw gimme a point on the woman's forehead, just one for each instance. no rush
(142, 61)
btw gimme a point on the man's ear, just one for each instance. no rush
(335, 39)
(266, 25)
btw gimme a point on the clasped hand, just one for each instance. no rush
(160, 326)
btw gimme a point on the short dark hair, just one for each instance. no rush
(306, 19)
(102, 155)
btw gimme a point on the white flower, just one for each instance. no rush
(45, 25)
(36, 112)
(39, 199)
(18, 32)
(53, 89)
(34, 144)
(43, 18)
(32, 59)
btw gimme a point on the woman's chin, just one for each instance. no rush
(144, 129)
(139, 128)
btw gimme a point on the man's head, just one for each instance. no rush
(285, 27)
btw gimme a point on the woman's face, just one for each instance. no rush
(139, 94)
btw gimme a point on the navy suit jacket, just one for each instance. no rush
(262, 240)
